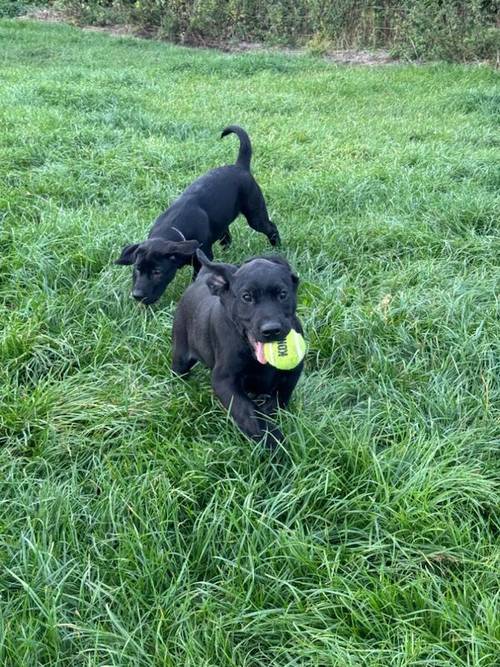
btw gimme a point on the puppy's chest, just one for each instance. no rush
(259, 379)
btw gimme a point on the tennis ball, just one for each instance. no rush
(286, 354)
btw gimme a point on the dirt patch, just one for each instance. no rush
(116, 30)
(341, 57)
(344, 57)
(350, 57)
(49, 15)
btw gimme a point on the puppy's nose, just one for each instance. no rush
(138, 295)
(271, 329)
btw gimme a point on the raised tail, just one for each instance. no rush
(245, 152)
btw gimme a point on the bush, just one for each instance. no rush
(448, 30)
(432, 29)
(11, 8)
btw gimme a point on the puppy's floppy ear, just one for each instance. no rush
(183, 248)
(220, 274)
(128, 254)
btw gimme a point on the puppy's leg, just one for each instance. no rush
(273, 436)
(287, 380)
(255, 211)
(196, 267)
(196, 262)
(230, 393)
(182, 360)
(226, 240)
(281, 391)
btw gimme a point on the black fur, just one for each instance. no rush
(218, 320)
(198, 218)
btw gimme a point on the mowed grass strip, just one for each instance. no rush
(137, 526)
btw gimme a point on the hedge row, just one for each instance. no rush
(431, 29)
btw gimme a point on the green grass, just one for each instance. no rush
(137, 526)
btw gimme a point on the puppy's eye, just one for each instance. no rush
(282, 295)
(247, 297)
(156, 273)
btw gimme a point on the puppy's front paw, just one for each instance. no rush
(265, 432)
(273, 437)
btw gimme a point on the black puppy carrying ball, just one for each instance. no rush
(223, 320)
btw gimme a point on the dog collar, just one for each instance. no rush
(179, 232)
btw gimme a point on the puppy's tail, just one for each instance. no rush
(245, 153)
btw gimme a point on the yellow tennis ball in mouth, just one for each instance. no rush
(286, 354)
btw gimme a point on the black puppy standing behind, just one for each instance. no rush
(198, 218)
(221, 320)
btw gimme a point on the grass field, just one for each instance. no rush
(137, 526)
